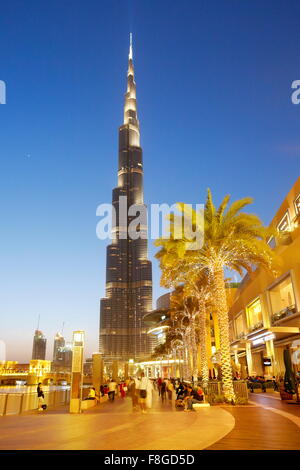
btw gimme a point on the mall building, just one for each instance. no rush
(265, 312)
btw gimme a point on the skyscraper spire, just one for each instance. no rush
(130, 108)
(130, 48)
(128, 271)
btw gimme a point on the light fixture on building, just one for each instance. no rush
(260, 339)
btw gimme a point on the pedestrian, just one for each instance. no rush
(275, 384)
(41, 397)
(137, 390)
(122, 389)
(188, 395)
(132, 392)
(179, 390)
(144, 384)
(170, 388)
(92, 394)
(159, 382)
(193, 396)
(112, 386)
(163, 389)
(149, 394)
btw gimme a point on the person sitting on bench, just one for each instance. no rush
(195, 396)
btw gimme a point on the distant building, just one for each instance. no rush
(39, 345)
(39, 367)
(62, 359)
(164, 301)
(88, 366)
(67, 355)
(59, 343)
(157, 320)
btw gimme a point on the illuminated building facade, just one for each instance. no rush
(265, 314)
(128, 271)
(59, 343)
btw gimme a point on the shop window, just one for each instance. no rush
(254, 315)
(240, 326)
(272, 242)
(284, 225)
(282, 299)
(231, 332)
(297, 204)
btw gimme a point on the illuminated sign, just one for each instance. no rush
(267, 361)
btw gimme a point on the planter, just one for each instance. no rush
(285, 395)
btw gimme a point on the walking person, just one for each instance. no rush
(159, 382)
(133, 393)
(170, 389)
(144, 384)
(163, 389)
(112, 386)
(123, 389)
(41, 397)
(149, 394)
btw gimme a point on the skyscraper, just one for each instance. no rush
(59, 343)
(39, 345)
(128, 270)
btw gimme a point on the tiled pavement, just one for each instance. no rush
(113, 426)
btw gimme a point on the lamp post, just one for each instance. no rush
(295, 361)
(77, 372)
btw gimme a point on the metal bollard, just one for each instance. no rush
(5, 405)
(21, 403)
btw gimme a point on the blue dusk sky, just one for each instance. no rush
(214, 102)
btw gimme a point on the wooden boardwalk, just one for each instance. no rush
(262, 429)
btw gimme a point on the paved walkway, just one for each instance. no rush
(113, 426)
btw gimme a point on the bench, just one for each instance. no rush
(87, 404)
(198, 406)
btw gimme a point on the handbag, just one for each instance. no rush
(125, 389)
(143, 393)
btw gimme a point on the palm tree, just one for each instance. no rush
(199, 287)
(184, 312)
(233, 240)
(195, 291)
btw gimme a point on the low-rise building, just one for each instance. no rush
(265, 313)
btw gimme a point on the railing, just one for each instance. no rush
(17, 403)
(216, 388)
(286, 312)
(263, 385)
(241, 335)
(255, 327)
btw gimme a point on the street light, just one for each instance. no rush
(77, 372)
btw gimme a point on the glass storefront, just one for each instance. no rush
(285, 224)
(282, 299)
(297, 204)
(254, 315)
(240, 326)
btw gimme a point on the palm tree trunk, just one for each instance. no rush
(194, 349)
(222, 313)
(188, 369)
(203, 344)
